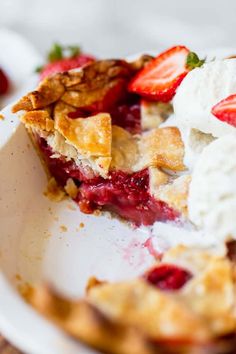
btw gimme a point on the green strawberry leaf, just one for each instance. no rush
(74, 50)
(193, 61)
(56, 52)
(38, 69)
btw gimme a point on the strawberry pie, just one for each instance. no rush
(153, 142)
(98, 131)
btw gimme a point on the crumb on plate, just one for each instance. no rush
(54, 192)
(63, 228)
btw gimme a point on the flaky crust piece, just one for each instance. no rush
(136, 317)
(98, 85)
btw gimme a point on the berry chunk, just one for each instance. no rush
(168, 277)
(225, 110)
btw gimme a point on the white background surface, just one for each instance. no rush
(121, 27)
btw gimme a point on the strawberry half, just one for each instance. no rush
(161, 77)
(225, 110)
(65, 64)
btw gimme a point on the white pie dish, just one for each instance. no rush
(35, 244)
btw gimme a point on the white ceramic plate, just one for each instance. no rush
(44, 240)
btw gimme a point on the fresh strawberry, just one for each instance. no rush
(4, 83)
(225, 110)
(161, 77)
(65, 64)
(63, 59)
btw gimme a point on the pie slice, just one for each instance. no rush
(97, 148)
(104, 134)
(178, 306)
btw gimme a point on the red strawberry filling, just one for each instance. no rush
(168, 277)
(125, 114)
(125, 194)
(128, 116)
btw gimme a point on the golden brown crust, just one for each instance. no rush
(157, 178)
(90, 136)
(85, 99)
(91, 79)
(162, 148)
(115, 316)
(158, 314)
(24, 104)
(84, 322)
(40, 119)
(61, 110)
(172, 191)
(124, 150)
(49, 91)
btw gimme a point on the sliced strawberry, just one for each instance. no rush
(225, 110)
(4, 83)
(65, 64)
(161, 77)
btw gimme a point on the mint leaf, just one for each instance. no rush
(56, 52)
(193, 61)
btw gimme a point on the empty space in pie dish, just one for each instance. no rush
(41, 239)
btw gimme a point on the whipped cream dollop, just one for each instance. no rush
(210, 157)
(212, 192)
(201, 89)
